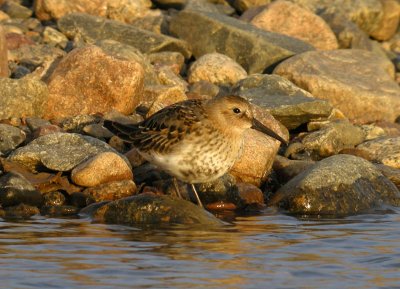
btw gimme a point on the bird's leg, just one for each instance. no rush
(177, 191)
(197, 196)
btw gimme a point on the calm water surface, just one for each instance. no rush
(270, 250)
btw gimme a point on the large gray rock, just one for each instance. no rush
(10, 138)
(22, 97)
(59, 151)
(92, 28)
(151, 209)
(357, 82)
(254, 49)
(338, 185)
(289, 104)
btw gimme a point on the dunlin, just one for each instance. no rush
(195, 141)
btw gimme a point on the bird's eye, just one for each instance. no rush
(236, 110)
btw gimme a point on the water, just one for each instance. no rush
(270, 250)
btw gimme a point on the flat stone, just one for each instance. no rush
(100, 169)
(338, 185)
(289, 104)
(210, 32)
(89, 81)
(92, 28)
(54, 37)
(216, 68)
(286, 169)
(110, 191)
(22, 97)
(15, 190)
(149, 209)
(357, 82)
(11, 137)
(3, 54)
(21, 211)
(58, 151)
(383, 150)
(293, 20)
(15, 10)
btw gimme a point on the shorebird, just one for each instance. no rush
(195, 141)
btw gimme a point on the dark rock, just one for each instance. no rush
(208, 6)
(54, 199)
(36, 122)
(150, 209)
(166, 4)
(15, 189)
(262, 48)
(243, 5)
(22, 97)
(384, 150)
(59, 151)
(357, 82)
(22, 211)
(19, 71)
(10, 138)
(392, 174)
(289, 104)
(92, 28)
(287, 169)
(59, 211)
(338, 185)
(15, 10)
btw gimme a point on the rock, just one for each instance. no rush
(53, 199)
(21, 211)
(134, 157)
(45, 130)
(165, 4)
(372, 131)
(16, 40)
(332, 139)
(59, 211)
(97, 130)
(208, 6)
(367, 14)
(173, 60)
(11, 137)
(15, 10)
(77, 123)
(389, 22)
(382, 150)
(146, 209)
(3, 15)
(110, 191)
(262, 48)
(102, 168)
(259, 151)
(58, 151)
(292, 20)
(203, 89)
(220, 190)
(216, 68)
(54, 37)
(22, 97)
(92, 28)
(357, 82)
(249, 196)
(160, 96)
(34, 123)
(3, 53)
(154, 21)
(166, 76)
(338, 185)
(287, 169)
(130, 53)
(89, 81)
(15, 190)
(243, 5)
(289, 104)
(391, 173)
(122, 10)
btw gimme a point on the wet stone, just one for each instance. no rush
(10, 138)
(110, 191)
(286, 169)
(289, 104)
(15, 189)
(21, 211)
(59, 211)
(338, 185)
(58, 151)
(146, 209)
(392, 174)
(54, 199)
(382, 150)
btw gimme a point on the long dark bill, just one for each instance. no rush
(262, 128)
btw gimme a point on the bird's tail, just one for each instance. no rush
(123, 131)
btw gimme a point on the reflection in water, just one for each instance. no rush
(271, 250)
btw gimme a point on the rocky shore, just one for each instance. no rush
(323, 74)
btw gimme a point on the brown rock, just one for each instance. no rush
(122, 10)
(134, 158)
(250, 195)
(287, 169)
(173, 60)
(102, 168)
(259, 151)
(216, 68)
(15, 40)
(382, 150)
(110, 191)
(389, 22)
(292, 20)
(89, 81)
(46, 129)
(357, 82)
(243, 5)
(162, 96)
(3, 54)
(3, 15)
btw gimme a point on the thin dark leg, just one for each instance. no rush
(197, 196)
(177, 192)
